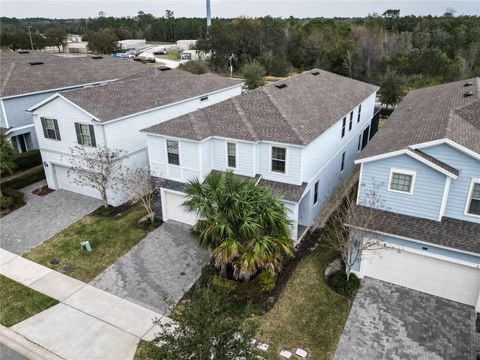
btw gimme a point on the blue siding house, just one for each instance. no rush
(300, 136)
(423, 169)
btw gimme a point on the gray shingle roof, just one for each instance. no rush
(430, 114)
(435, 161)
(19, 77)
(449, 232)
(133, 95)
(295, 114)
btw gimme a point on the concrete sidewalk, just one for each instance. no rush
(89, 323)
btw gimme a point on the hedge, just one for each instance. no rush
(27, 160)
(25, 179)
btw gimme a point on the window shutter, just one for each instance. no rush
(57, 132)
(92, 136)
(44, 126)
(79, 137)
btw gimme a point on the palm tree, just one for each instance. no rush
(244, 225)
(6, 155)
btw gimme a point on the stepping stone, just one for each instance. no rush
(262, 346)
(302, 353)
(286, 354)
(253, 342)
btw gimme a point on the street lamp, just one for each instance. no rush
(30, 34)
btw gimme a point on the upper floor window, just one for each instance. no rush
(85, 134)
(350, 124)
(401, 181)
(231, 155)
(279, 159)
(473, 203)
(342, 166)
(359, 112)
(359, 145)
(315, 193)
(50, 128)
(172, 152)
(344, 123)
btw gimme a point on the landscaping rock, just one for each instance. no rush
(286, 354)
(263, 346)
(332, 268)
(302, 353)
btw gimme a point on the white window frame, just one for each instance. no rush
(469, 197)
(411, 173)
(80, 125)
(236, 154)
(271, 159)
(166, 152)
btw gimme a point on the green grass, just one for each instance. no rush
(110, 238)
(160, 43)
(18, 302)
(307, 314)
(171, 55)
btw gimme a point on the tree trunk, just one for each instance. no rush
(348, 270)
(104, 198)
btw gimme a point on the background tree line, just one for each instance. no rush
(410, 51)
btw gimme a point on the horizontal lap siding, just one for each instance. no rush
(245, 157)
(294, 164)
(427, 192)
(459, 189)
(15, 108)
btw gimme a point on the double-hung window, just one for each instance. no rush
(315, 193)
(344, 123)
(401, 181)
(350, 124)
(359, 112)
(279, 159)
(473, 204)
(85, 134)
(231, 155)
(172, 152)
(50, 128)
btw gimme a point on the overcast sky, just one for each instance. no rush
(231, 8)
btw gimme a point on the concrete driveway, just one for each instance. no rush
(388, 321)
(41, 218)
(158, 271)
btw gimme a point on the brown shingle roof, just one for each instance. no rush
(435, 161)
(430, 114)
(133, 95)
(295, 114)
(449, 232)
(19, 77)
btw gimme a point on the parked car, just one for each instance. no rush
(144, 59)
(160, 52)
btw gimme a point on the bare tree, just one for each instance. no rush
(98, 167)
(140, 186)
(352, 244)
(348, 62)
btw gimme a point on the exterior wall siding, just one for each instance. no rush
(459, 188)
(424, 202)
(293, 173)
(15, 108)
(245, 157)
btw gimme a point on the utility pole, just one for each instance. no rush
(30, 34)
(209, 15)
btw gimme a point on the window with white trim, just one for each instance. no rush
(344, 123)
(342, 166)
(359, 112)
(402, 182)
(315, 193)
(473, 207)
(50, 128)
(172, 152)
(231, 155)
(279, 159)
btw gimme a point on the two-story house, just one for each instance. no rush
(299, 136)
(111, 116)
(30, 77)
(424, 169)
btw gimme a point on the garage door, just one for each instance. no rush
(173, 209)
(433, 276)
(63, 181)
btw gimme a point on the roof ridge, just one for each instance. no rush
(243, 117)
(284, 117)
(9, 74)
(191, 119)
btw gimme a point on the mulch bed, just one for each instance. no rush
(112, 211)
(44, 190)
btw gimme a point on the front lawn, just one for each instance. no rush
(18, 302)
(307, 314)
(170, 55)
(110, 237)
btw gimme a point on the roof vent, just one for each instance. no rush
(468, 83)
(468, 93)
(281, 85)
(23, 52)
(163, 68)
(315, 72)
(36, 62)
(95, 57)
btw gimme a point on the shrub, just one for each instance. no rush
(26, 179)
(27, 160)
(6, 202)
(224, 285)
(15, 195)
(266, 281)
(195, 66)
(338, 281)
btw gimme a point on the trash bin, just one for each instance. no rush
(85, 245)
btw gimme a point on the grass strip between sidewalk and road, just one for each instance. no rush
(18, 302)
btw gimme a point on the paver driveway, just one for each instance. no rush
(388, 321)
(42, 218)
(158, 271)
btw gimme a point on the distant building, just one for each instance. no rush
(133, 44)
(186, 44)
(80, 47)
(188, 55)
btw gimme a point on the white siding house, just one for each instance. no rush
(116, 113)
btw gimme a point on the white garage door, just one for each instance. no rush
(63, 181)
(173, 209)
(433, 276)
